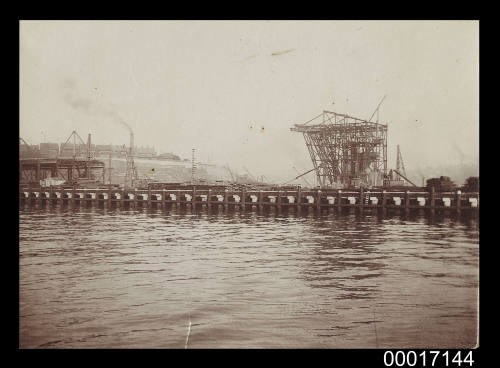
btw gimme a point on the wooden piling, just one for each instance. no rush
(73, 193)
(193, 199)
(243, 200)
(361, 200)
(164, 199)
(299, 200)
(278, 201)
(433, 201)
(318, 201)
(339, 201)
(384, 203)
(407, 203)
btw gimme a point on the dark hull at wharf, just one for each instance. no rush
(374, 201)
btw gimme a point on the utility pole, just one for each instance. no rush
(88, 157)
(193, 167)
(131, 173)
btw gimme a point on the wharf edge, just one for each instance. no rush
(372, 201)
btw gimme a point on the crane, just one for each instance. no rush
(400, 166)
(230, 172)
(376, 110)
(249, 173)
(26, 143)
(301, 175)
(305, 180)
(405, 178)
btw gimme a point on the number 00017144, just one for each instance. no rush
(431, 358)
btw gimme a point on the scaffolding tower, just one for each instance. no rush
(344, 150)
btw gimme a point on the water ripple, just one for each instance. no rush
(97, 278)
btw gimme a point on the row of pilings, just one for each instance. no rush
(373, 201)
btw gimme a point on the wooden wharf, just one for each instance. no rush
(211, 198)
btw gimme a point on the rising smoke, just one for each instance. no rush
(87, 106)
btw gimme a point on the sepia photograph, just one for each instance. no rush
(249, 184)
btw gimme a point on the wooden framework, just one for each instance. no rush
(344, 148)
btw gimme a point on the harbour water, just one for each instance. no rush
(99, 278)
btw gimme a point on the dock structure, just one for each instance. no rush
(34, 169)
(70, 162)
(300, 200)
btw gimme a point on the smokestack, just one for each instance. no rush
(88, 147)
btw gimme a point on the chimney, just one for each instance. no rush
(88, 147)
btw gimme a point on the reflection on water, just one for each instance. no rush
(94, 278)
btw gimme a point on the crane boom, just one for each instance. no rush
(297, 171)
(26, 143)
(249, 173)
(378, 106)
(404, 177)
(230, 172)
(307, 172)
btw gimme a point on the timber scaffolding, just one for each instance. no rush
(345, 150)
(361, 201)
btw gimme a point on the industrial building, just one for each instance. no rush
(54, 150)
(49, 150)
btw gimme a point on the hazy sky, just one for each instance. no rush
(231, 91)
